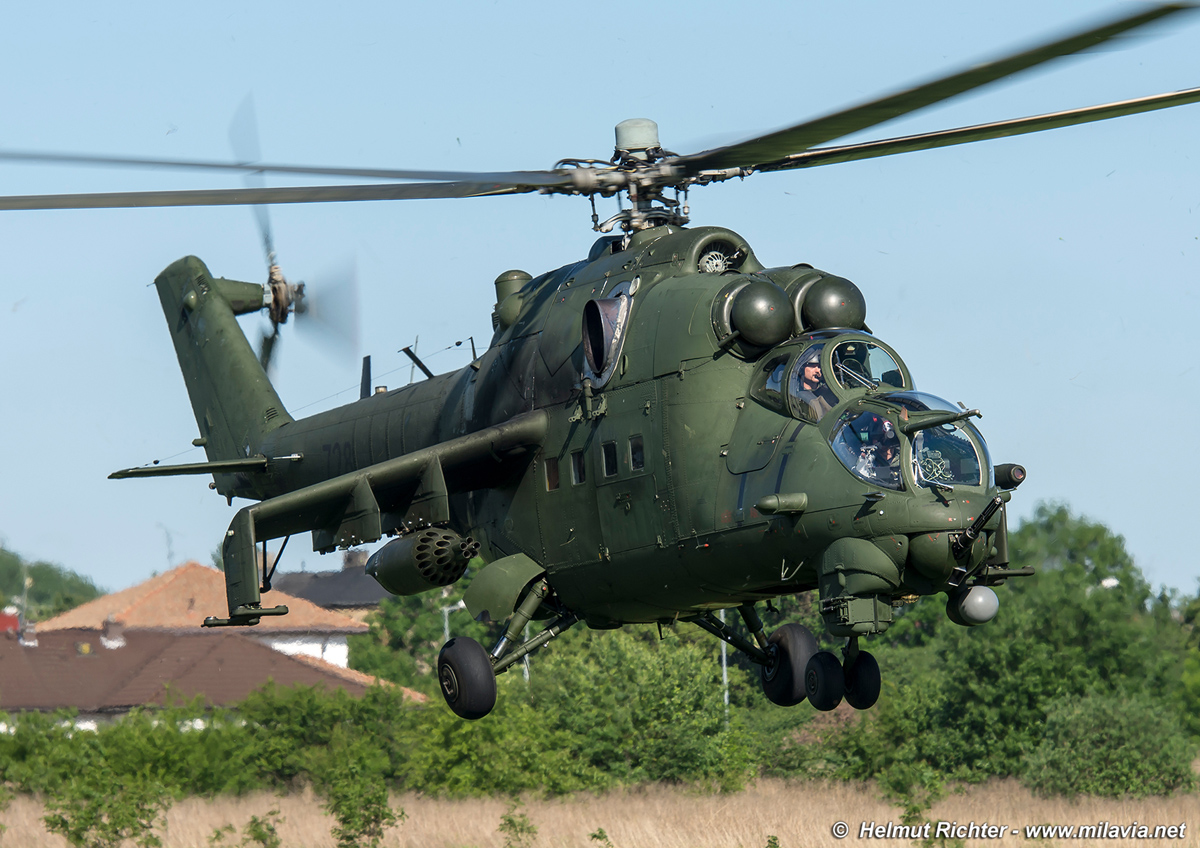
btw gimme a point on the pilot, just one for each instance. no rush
(811, 391)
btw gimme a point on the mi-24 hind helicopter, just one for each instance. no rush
(665, 429)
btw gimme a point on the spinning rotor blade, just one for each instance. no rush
(782, 144)
(330, 313)
(243, 138)
(267, 347)
(526, 178)
(981, 132)
(246, 196)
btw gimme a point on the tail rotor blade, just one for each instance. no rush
(330, 313)
(267, 347)
(243, 138)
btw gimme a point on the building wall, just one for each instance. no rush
(333, 649)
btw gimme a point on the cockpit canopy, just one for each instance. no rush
(808, 377)
(871, 444)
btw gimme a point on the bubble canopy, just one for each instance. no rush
(807, 377)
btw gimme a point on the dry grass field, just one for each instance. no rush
(800, 815)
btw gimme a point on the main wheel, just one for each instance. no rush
(789, 648)
(466, 677)
(862, 681)
(823, 681)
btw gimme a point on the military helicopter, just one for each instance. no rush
(665, 429)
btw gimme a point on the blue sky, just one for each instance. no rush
(1048, 280)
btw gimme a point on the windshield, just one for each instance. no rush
(869, 446)
(860, 364)
(946, 454)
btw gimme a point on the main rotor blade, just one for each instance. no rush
(783, 143)
(244, 196)
(981, 132)
(533, 178)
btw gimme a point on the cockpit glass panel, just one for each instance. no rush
(921, 401)
(869, 446)
(952, 454)
(768, 383)
(808, 392)
(945, 455)
(859, 364)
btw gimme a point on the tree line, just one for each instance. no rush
(51, 588)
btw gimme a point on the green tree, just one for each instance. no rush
(101, 808)
(52, 588)
(641, 710)
(1111, 746)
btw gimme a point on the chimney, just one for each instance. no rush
(112, 635)
(29, 635)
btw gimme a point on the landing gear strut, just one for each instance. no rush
(467, 671)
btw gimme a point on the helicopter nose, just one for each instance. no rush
(932, 555)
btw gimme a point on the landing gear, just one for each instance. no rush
(793, 668)
(466, 677)
(823, 681)
(789, 650)
(862, 681)
(467, 672)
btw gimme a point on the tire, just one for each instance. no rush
(466, 678)
(862, 681)
(790, 648)
(823, 681)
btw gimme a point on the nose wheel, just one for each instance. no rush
(823, 681)
(793, 668)
(861, 673)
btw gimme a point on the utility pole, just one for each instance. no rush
(724, 669)
(446, 617)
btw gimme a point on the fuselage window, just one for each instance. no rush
(609, 451)
(551, 473)
(637, 453)
(578, 468)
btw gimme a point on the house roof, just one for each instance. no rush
(72, 668)
(183, 597)
(347, 587)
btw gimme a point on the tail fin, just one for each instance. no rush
(233, 400)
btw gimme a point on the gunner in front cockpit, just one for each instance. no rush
(880, 456)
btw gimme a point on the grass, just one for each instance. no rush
(798, 814)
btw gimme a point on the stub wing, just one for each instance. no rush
(359, 507)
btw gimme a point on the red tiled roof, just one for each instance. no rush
(71, 668)
(183, 597)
